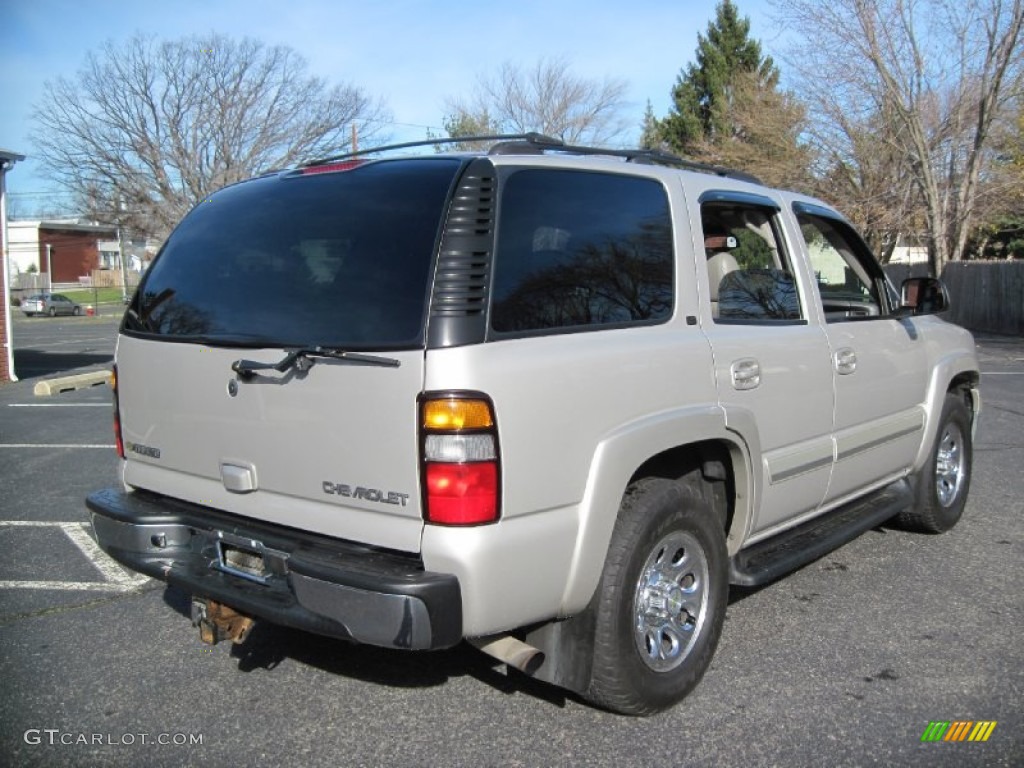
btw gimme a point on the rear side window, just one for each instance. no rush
(579, 250)
(750, 279)
(333, 259)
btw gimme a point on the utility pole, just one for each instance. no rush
(120, 249)
(49, 273)
(120, 258)
(355, 138)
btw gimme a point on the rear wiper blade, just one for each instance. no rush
(304, 358)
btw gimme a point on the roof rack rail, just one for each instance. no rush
(538, 143)
(647, 156)
(533, 139)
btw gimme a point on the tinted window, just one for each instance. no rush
(749, 275)
(335, 259)
(581, 249)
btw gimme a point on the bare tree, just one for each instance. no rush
(547, 98)
(1000, 230)
(147, 129)
(861, 169)
(933, 75)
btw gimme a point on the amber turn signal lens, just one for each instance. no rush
(457, 413)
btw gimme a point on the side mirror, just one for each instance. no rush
(923, 296)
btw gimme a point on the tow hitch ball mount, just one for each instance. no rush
(217, 622)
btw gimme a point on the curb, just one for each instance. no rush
(68, 383)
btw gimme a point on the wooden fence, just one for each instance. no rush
(986, 296)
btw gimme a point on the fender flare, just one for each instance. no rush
(944, 371)
(616, 459)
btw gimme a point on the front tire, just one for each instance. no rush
(943, 482)
(53, 312)
(661, 601)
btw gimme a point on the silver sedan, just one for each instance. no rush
(51, 304)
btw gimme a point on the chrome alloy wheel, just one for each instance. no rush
(671, 601)
(950, 462)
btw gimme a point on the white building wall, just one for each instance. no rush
(23, 246)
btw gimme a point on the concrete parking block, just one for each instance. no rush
(55, 386)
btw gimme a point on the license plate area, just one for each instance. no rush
(242, 557)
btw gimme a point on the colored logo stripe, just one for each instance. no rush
(958, 730)
(982, 730)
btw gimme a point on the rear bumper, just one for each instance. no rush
(311, 582)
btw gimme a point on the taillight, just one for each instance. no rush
(118, 441)
(461, 472)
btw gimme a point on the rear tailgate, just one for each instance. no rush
(337, 259)
(332, 450)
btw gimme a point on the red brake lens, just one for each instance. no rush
(118, 440)
(346, 165)
(462, 494)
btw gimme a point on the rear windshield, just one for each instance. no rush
(339, 259)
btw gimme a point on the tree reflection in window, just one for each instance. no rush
(758, 294)
(590, 250)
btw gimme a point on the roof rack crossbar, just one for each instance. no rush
(520, 143)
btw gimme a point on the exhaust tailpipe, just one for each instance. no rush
(511, 651)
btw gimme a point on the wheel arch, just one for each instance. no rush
(952, 373)
(651, 447)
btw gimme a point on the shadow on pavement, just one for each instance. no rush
(270, 644)
(31, 363)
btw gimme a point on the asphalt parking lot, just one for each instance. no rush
(845, 662)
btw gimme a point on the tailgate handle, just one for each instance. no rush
(238, 478)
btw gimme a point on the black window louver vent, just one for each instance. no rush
(459, 301)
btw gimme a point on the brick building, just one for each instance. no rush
(69, 248)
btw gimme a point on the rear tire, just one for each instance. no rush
(76, 311)
(944, 481)
(661, 601)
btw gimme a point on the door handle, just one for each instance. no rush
(746, 373)
(845, 360)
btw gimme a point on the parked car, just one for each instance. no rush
(51, 304)
(551, 400)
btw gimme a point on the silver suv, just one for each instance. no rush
(552, 400)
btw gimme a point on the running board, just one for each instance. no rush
(769, 559)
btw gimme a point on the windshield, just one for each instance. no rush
(328, 259)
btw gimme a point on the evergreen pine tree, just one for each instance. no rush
(650, 133)
(702, 96)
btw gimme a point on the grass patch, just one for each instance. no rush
(95, 296)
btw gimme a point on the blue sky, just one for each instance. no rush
(412, 54)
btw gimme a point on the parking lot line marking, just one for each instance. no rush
(69, 586)
(116, 579)
(67, 342)
(111, 571)
(55, 444)
(58, 405)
